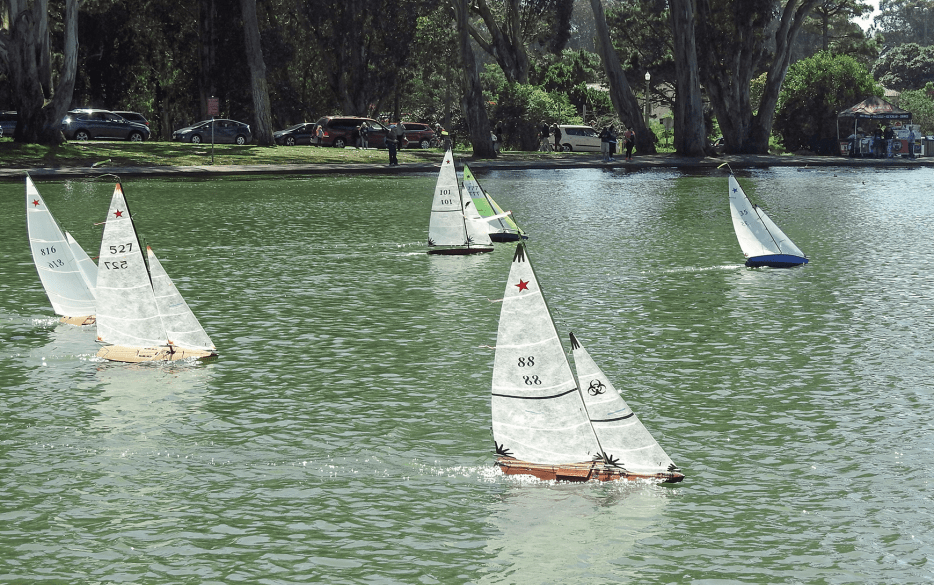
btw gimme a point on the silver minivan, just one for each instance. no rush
(579, 139)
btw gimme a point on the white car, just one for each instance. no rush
(579, 139)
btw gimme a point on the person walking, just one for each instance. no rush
(392, 141)
(630, 137)
(557, 132)
(545, 144)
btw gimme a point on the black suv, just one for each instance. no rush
(338, 132)
(84, 124)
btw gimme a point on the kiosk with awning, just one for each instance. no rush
(870, 109)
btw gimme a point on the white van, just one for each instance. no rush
(579, 139)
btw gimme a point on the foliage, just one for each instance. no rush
(815, 91)
(521, 108)
(906, 21)
(905, 67)
(830, 27)
(920, 103)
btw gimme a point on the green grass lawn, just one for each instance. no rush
(154, 154)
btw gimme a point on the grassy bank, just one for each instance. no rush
(155, 154)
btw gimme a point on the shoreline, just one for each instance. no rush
(507, 162)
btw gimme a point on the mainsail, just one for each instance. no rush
(756, 232)
(128, 315)
(538, 413)
(54, 256)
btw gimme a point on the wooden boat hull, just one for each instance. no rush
(85, 320)
(163, 353)
(587, 471)
(507, 237)
(460, 251)
(776, 261)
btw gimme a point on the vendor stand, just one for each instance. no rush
(862, 119)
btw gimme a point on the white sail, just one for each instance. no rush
(127, 314)
(447, 225)
(87, 266)
(538, 412)
(181, 326)
(757, 233)
(478, 230)
(58, 269)
(624, 439)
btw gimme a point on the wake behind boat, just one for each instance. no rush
(545, 423)
(141, 315)
(762, 242)
(455, 227)
(501, 227)
(66, 271)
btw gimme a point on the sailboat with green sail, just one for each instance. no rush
(501, 226)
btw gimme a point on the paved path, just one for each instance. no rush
(507, 162)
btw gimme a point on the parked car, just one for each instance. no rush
(338, 131)
(297, 134)
(224, 132)
(8, 123)
(579, 139)
(86, 123)
(133, 117)
(418, 135)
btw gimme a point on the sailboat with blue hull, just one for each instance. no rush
(763, 243)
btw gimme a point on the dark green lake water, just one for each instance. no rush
(343, 434)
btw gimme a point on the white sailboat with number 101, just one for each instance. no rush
(66, 271)
(141, 315)
(455, 226)
(545, 423)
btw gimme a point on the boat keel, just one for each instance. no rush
(163, 353)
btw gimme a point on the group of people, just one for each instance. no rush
(608, 142)
(883, 142)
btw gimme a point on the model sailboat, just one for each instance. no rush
(547, 425)
(141, 314)
(455, 227)
(66, 271)
(762, 242)
(501, 227)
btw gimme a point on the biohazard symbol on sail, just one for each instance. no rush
(596, 388)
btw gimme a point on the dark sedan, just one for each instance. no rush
(297, 134)
(85, 124)
(223, 132)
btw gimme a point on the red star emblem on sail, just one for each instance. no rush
(118, 213)
(35, 202)
(523, 284)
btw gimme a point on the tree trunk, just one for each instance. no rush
(472, 102)
(690, 133)
(206, 78)
(262, 133)
(40, 118)
(625, 103)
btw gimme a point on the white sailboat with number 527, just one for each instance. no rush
(141, 315)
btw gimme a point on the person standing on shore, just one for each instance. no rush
(557, 132)
(630, 137)
(392, 141)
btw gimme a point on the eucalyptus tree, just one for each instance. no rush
(512, 27)
(472, 102)
(624, 101)
(741, 38)
(690, 136)
(262, 130)
(40, 94)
